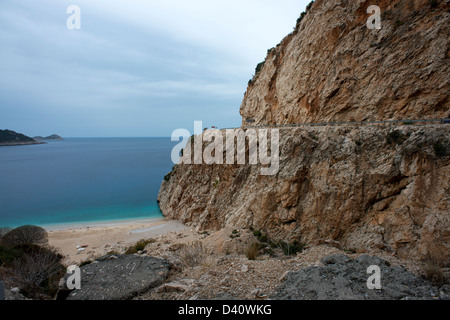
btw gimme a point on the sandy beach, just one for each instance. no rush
(83, 242)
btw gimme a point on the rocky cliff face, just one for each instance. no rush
(367, 186)
(362, 186)
(333, 68)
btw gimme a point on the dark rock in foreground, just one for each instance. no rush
(344, 279)
(120, 277)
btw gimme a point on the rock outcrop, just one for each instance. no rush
(334, 68)
(341, 278)
(120, 277)
(360, 186)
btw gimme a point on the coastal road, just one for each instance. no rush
(327, 124)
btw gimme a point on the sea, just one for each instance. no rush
(82, 180)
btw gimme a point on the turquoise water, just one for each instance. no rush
(82, 180)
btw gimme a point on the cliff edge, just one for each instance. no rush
(369, 186)
(334, 68)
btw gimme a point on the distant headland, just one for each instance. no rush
(12, 138)
(52, 137)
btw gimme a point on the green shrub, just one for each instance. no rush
(138, 246)
(259, 67)
(289, 249)
(235, 234)
(263, 238)
(302, 15)
(257, 233)
(260, 236)
(169, 175)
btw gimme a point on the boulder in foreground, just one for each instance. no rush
(341, 278)
(120, 277)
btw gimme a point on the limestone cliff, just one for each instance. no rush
(364, 186)
(333, 68)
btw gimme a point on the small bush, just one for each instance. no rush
(434, 3)
(433, 267)
(259, 67)
(260, 236)
(85, 263)
(299, 20)
(289, 249)
(439, 149)
(253, 250)
(395, 137)
(257, 233)
(7, 255)
(25, 235)
(174, 168)
(191, 255)
(36, 271)
(138, 246)
(235, 234)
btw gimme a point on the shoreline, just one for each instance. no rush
(86, 241)
(100, 223)
(14, 144)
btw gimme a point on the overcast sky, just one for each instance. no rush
(136, 68)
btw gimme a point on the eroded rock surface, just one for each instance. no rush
(120, 277)
(341, 278)
(333, 68)
(365, 187)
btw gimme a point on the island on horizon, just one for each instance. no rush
(12, 138)
(51, 137)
